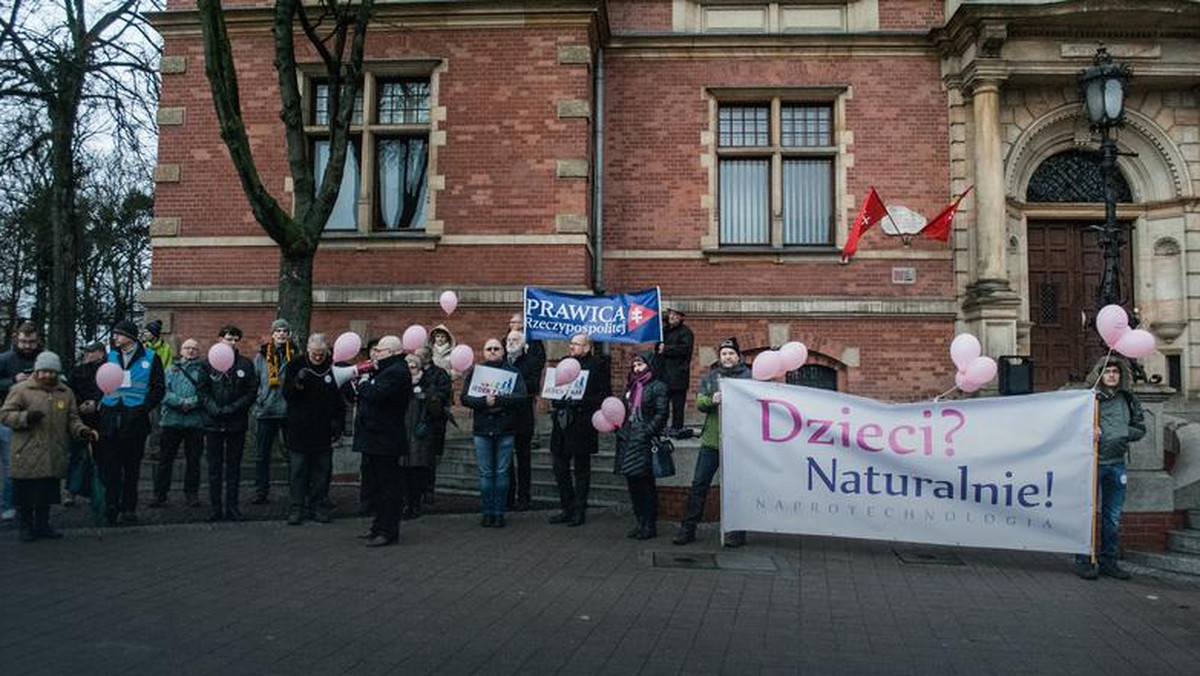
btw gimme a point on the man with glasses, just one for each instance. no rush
(381, 437)
(228, 397)
(16, 365)
(125, 421)
(182, 421)
(573, 440)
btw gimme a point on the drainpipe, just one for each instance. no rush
(598, 174)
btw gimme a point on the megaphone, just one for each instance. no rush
(344, 374)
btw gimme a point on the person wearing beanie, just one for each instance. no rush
(42, 413)
(708, 460)
(645, 418)
(16, 365)
(153, 340)
(125, 421)
(270, 363)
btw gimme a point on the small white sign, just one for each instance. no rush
(572, 390)
(904, 275)
(486, 380)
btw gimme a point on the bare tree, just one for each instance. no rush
(336, 33)
(81, 76)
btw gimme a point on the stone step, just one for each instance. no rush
(1174, 562)
(1184, 541)
(601, 494)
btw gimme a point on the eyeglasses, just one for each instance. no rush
(494, 348)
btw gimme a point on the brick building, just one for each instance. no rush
(718, 149)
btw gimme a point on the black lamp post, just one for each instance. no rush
(1103, 89)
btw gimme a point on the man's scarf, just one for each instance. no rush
(273, 363)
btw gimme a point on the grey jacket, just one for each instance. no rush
(270, 403)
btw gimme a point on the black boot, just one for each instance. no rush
(41, 524)
(25, 521)
(561, 517)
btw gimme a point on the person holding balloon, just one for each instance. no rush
(230, 387)
(642, 416)
(134, 384)
(573, 438)
(708, 460)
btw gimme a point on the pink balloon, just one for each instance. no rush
(566, 371)
(414, 338)
(794, 354)
(448, 301)
(461, 357)
(109, 377)
(614, 411)
(601, 423)
(346, 346)
(964, 350)
(767, 365)
(1112, 323)
(220, 357)
(1136, 344)
(965, 384)
(981, 371)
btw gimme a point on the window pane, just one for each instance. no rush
(806, 126)
(401, 183)
(744, 126)
(404, 102)
(321, 105)
(345, 211)
(807, 201)
(745, 195)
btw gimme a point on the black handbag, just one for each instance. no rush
(662, 458)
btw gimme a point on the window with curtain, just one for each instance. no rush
(761, 143)
(390, 153)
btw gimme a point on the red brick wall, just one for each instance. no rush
(1147, 531)
(639, 16)
(910, 14)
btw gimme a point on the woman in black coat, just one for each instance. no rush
(495, 420)
(425, 422)
(645, 417)
(315, 415)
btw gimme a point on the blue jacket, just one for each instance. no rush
(183, 405)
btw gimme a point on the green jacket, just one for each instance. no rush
(710, 384)
(161, 348)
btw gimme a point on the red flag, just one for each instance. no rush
(938, 227)
(871, 212)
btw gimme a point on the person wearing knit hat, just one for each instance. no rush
(271, 408)
(708, 460)
(153, 340)
(125, 421)
(42, 413)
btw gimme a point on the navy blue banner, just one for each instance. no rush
(622, 318)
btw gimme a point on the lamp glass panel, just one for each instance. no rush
(1094, 97)
(1114, 98)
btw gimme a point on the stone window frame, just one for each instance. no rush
(692, 16)
(835, 97)
(364, 134)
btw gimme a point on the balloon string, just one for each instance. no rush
(1101, 374)
(939, 397)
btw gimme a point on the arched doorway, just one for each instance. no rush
(1065, 263)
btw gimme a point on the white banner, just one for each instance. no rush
(1004, 472)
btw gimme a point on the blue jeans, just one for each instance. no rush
(494, 455)
(6, 488)
(708, 461)
(1112, 501)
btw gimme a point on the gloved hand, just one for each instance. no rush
(32, 417)
(89, 435)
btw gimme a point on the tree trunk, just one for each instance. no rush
(295, 292)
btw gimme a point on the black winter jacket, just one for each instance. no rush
(228, 396)
(573, 433)
(641, 427)
(498, 420)
(12, 363)
(315, 409)
(530, 368)
(382, 405)
(83, 384)
(674, 365)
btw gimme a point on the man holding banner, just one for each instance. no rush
(573, 440)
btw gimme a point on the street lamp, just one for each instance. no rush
(1103, 91)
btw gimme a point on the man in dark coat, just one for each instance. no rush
(88, 396)
(16, 365)
(380, 435)
(520, 471)
(315, 416)
(227, 399)
(674, 366)
(573, 440)
(125, 421)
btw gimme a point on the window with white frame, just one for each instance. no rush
(385, 183)
(775, 166)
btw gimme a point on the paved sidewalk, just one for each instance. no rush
(454, 598)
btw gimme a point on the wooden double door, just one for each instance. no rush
(1065, 267)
